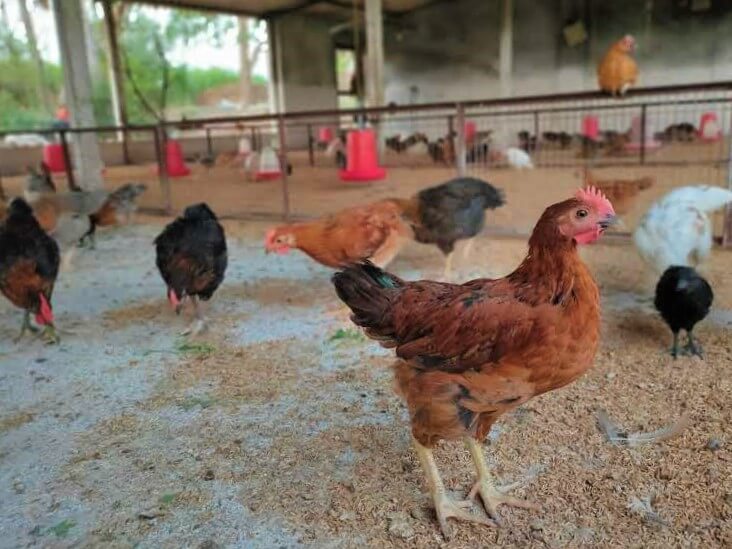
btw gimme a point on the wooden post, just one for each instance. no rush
(375, 73)
(727, 234)
(644, 108)
(311, 145)
(209, 144)
(283, 170)
(119, 105)
(505, 48)
(67, 161)
(161, 154)
(460, 160)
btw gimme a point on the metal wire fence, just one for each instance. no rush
(676, 135)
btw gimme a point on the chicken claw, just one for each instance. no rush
(491, 495)
(49, 335)
(445, 507)
(26, 326)
(195, 328)
(692, 348)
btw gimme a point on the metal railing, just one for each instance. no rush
(469, 136)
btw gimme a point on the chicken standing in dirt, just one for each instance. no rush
(29, 263)
(453, 211)
(470, 353)
(117, 208)
(192, 259)
(374, 232)
(618, 71)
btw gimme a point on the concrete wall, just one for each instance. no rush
(450, 51)
(304, 68)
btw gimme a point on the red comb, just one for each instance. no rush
(592, 196)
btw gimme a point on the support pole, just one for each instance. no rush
(460, 160)
(375, 64)
(69, 16)
(70, 181)
(162, 159)
(283, 170)
(506, 48)
(727, 235)
(119, 104)
(311, 145)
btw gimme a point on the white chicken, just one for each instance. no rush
(677, 230)
(518, 158)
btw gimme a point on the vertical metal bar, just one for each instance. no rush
(727, 234)
(67, 161)
(644, 108)
(161, 153)
(536, 127)
(254, 140)
(460, 160)
(125, 147)
(209, 144)
(283, 170)
(311, 145)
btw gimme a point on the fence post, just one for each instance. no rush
(311, 148)
(67, 161)
(644, 107)
(727, 234)
(161, 156)
(125, 147)
(536, 129)
(209, 144)
(283, 169)
(254, 140)
(460, 160)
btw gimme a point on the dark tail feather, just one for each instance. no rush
(368, 291)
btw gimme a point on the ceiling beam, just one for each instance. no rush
(292, 9)
(197, 7)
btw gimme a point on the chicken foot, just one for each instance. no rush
(26, 326)
(199, 322)
(692, 348)
(445, 507)
(492, 495)
(49, 335)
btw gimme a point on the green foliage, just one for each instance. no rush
(61, 530)
(20, 107)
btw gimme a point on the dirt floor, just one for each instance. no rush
(279, 427)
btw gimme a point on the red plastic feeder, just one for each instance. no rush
(362, 162)
(636, 139)
(268, 165)
(53, 157)
(591, 127)
(709, 128)
(325, 135)
(174, 157)
(470, 131)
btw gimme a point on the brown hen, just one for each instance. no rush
(469, 353)
(374, 232)
(621, 192)
(618, 71)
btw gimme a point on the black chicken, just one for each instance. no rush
(192, 259)
(29, 263)
(453, 211)
(683, 298)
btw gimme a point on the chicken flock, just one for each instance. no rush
(468, 353)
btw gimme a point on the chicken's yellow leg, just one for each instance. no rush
(491, 495)
(468, 248)
(448, 267)
(444, 506)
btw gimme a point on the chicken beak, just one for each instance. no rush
(608, 221)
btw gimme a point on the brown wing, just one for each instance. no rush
(22, 283)
(458, 328)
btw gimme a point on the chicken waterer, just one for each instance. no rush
(362, 162)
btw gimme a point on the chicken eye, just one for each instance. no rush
(581, 213)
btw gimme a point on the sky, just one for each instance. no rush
(202, 55)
